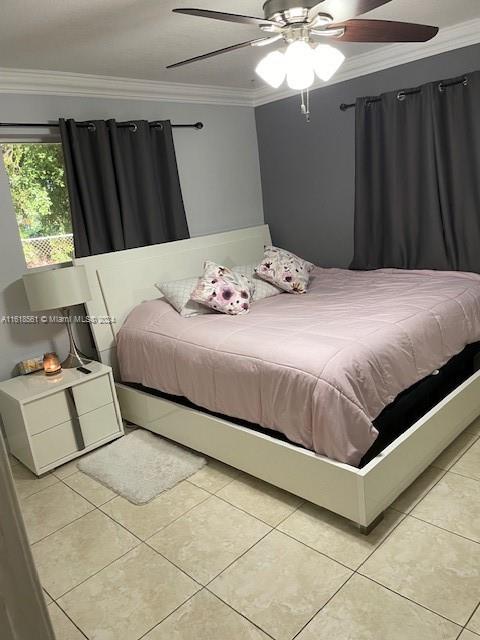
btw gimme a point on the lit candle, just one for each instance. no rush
(51, 364)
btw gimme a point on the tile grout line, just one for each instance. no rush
(190, 577)
(139, 543)
(418, 604)
(32, 544)
(145, 542)
(204, 586)
(461, 454)
(97, 572)
(320, 553)
(69, 618)
(425, 494)
(175, 519)
(97, 506)
(22, 499)
(168, 615)
(213, 493)
(477, 608)
(215, 595)
(245, 552)
(238, 558)
(357, 572)
(354, 571)
(463, 475)
(324, 605)
(453, 533)
(248, 513)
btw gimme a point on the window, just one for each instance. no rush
(40, 198)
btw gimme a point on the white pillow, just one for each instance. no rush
(261, 288)
(178, 292)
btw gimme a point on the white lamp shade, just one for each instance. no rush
(326, 61)
(272, 69)
(55, 288)
(299, 65)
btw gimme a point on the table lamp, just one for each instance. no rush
(59, 289)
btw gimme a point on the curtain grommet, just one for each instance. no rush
(401, 95)
(465, 81)
(441, 87)
(91, 127)
(158, 125)
(133, 127)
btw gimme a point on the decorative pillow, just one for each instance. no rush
(260, 288)
(284, 270)
(223, 290)
(178, 292)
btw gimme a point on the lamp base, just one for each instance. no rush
(74, 360)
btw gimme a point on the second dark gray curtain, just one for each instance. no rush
(123, 185)
(417, 202)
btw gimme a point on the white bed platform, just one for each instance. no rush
(119, 281)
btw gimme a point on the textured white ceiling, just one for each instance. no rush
(138, 38)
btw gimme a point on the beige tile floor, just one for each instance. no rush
(223, 556)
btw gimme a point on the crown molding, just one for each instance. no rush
(29, 81)
(449, 38)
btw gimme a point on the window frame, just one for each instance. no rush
(34, 135)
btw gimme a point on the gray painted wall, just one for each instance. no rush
(219, 173)
(308, 170)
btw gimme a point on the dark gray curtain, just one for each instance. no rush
(123, 185)
(417, 201)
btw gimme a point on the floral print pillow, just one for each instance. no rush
(285, 270)
(223, 290)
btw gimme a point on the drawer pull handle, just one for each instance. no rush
(77, 427)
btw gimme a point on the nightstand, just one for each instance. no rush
(51, 420)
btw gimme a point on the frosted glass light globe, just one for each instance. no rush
(326, 61)
(299, 65)
(272, 69)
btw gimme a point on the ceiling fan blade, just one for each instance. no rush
(226, 17)
(218, 52)
(342, 10)
(383, 31)
(263, 42)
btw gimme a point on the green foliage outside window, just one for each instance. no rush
(39, 192)
(40, 198)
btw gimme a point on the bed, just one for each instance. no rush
(318, 368)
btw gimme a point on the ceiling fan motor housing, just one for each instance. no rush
(288, 11)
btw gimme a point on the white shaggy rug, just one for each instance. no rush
(141, 465)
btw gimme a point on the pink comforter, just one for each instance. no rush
(318, 367)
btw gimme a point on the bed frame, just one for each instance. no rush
(119, 281)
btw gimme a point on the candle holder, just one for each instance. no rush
(51, 364)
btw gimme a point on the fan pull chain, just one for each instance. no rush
(305, 108)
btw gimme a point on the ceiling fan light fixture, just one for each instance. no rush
(299, 65)
(272, 69)
(326, 61)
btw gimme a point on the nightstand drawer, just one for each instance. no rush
(55, 409)
(60, 441)
(54, 444)
(99, 424)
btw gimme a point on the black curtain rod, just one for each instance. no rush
(51, 125)
(401, 95)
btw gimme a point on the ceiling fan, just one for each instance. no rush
(301, 24)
